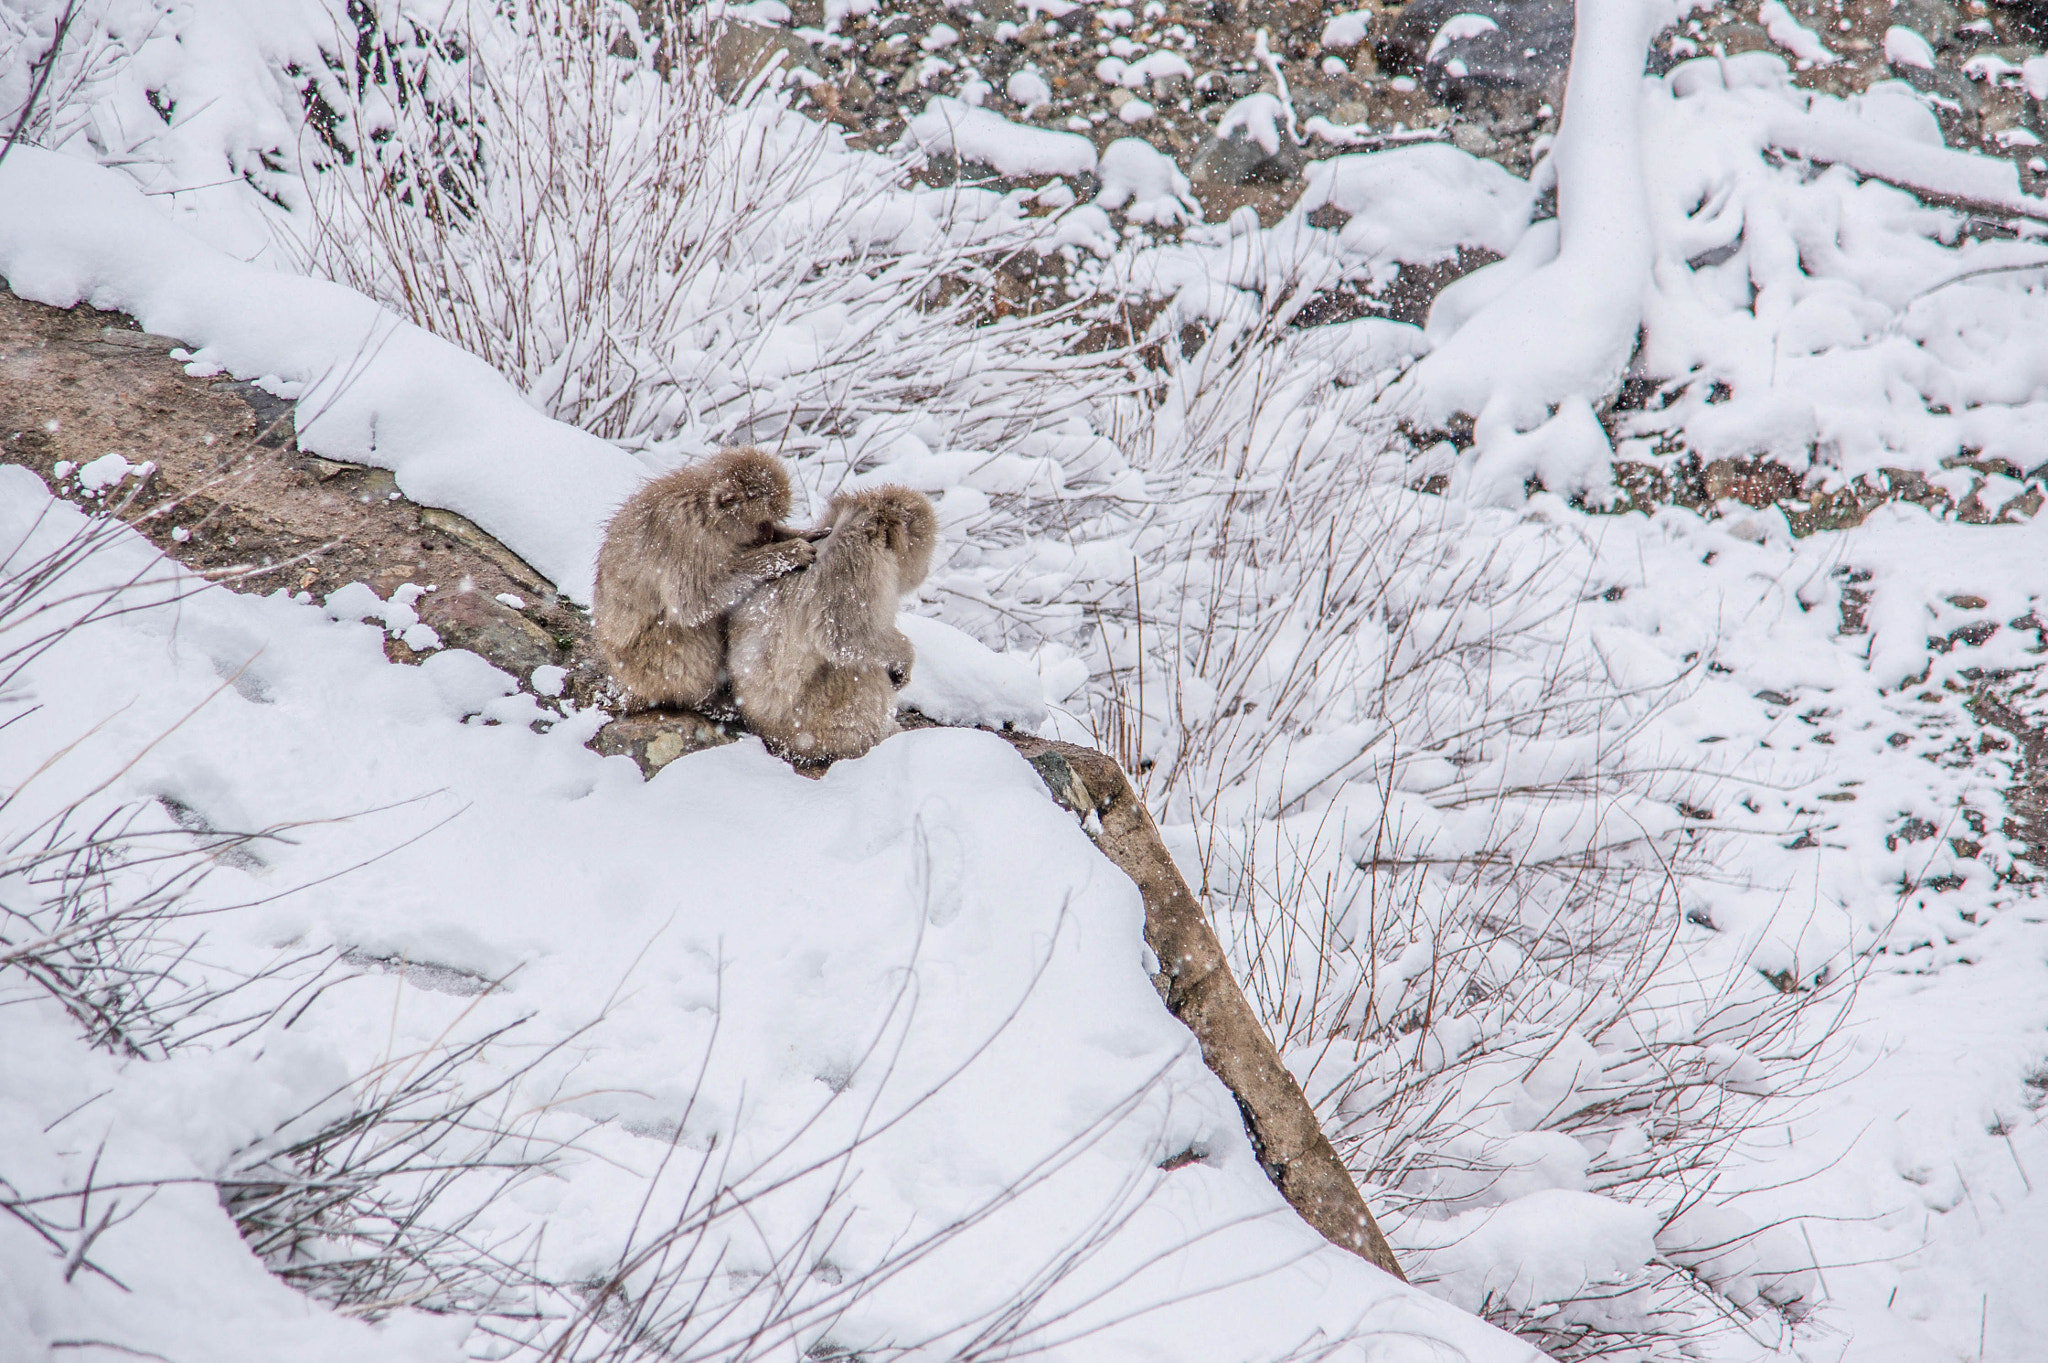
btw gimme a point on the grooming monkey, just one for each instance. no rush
(816, 656)
(677, 557)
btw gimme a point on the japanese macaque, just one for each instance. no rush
(816, 656)
(677, 557)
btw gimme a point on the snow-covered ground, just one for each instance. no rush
(1631, 892)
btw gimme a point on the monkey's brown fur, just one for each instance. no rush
(677, 557)
(816, 656)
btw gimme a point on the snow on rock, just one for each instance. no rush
(1027, 88)
(95, 476)
(1258, 117)
(1348, 29)
(1459, 28)
(906, 1003)
(1787, 32)
(1897, 109)
(1419, 203)
(951, 128)
(357, 601)
(1904, 47)
(1137, 74)
(377, 390)
(1145, 183)
(959, 680)
(837, 12)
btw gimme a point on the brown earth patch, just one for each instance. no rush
(232, 496)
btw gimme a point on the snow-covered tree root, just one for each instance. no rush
(1531, 363)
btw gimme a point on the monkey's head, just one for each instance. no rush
(746, 493)
(897, 520)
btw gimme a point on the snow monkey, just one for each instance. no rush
(816, 656)
(677, 557)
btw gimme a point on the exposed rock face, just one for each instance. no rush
(1240, 159)
(1195, 980)
(655, 738)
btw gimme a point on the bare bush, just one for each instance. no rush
(51, 56)
(648, 261)
(1435, 827)
(369, 1198)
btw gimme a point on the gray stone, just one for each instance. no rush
(489, 628)
(1236, 160)
(655, 738)
(1934, 20)
(741, 52)
(2031, 15)
(1530, 49)
(1944, 82)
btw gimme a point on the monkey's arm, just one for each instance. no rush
(760, 566)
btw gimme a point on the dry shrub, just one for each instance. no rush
(568, 197)
(1441, 840)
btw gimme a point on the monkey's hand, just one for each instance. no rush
(759, 566)
(899, 659)
(771, 561)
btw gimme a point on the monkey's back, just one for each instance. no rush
(815, 684)
(652, 607)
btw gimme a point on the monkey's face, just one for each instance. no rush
(747, 493)
(747, 519)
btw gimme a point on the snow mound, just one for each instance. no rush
(1420, 203)
(959, 680)
(949, 127)
(1348, 29)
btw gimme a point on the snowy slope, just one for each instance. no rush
(370, 387)
(1632, 893)
(904, 1011)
